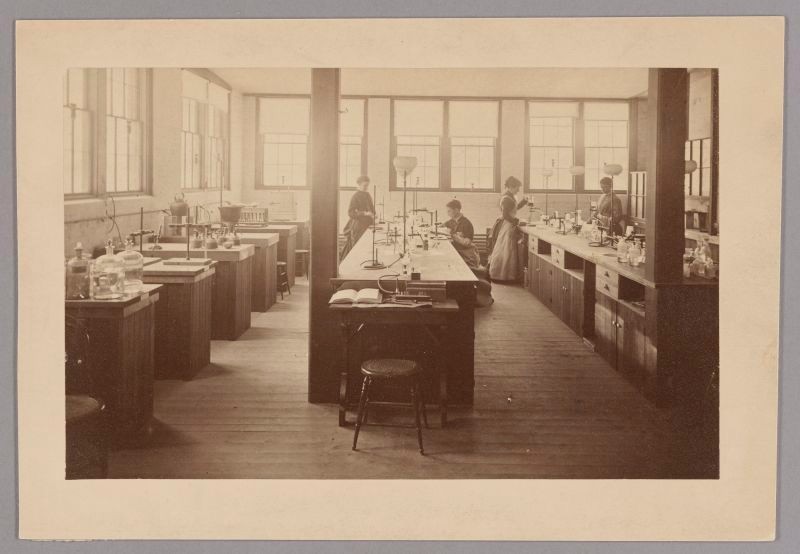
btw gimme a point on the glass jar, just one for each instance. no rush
(108, 275)
(133, 263)
(78, 278)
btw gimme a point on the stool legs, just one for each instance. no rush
(415, 401)
(422, 401)
(362, 401)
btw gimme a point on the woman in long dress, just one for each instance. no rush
(504, 263)
(361, 213)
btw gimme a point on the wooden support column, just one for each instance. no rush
(667, 131)
(324, 337)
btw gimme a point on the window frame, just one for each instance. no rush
(579, 148)
(445, 145)
(259, 145)
(145, 106)
(364, 141)
(90, 82)
(203, 108)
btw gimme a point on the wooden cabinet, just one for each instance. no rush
(621, 339)
(561, 291)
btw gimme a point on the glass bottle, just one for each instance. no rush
(635, 253)
(133, 263)
(108, 275)
(78, 279)
(622, 251)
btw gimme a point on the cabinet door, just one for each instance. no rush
(605, 328)
(573, 304)
(533, 273)
(546, 271)
(631, 345)
(559, 279)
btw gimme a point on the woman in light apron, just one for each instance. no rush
(504, 263)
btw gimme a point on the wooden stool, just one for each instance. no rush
(87, 445)
(388, 369)
(302, 256)
(283, 279)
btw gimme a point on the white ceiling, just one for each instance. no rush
(499, 82)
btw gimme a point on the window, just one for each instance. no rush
(204, 134)
(105, 141)
(282, 142)
(473, 130)
(606, 142)
(637, 195)
(78, 133)
(124, 129)
(698, 182)
(418, 128)
(551, 132)
(352, 141)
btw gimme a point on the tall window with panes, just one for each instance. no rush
(352, 140)
(418, 129)
(204, 133)
(79, 114)
(124, 129)
(283, 127)
(472, 132)
(605, 142)
(551, 145)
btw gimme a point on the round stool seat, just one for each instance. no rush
(390, 367)
(81, 407)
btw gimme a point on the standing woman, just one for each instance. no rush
(362, 214)
(504, 263)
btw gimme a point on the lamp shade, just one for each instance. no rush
(577, 170)
(405, 164)
(612, 169)
(689, 166)
(547, 172)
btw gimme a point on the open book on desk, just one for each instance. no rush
(350, 296)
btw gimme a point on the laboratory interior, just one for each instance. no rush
(391, 273)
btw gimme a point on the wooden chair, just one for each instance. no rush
(85, 421)
(391, 369)
(283, 279)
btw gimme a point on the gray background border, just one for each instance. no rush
(789, 415)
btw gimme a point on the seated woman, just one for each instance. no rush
(461, 234)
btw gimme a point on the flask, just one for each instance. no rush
(78, 279)
(133, 263)
(108, 275)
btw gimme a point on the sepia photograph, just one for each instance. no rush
(470, 270)
(520, 280)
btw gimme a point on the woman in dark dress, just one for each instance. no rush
(362, 214)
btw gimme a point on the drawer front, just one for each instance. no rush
(558, 256)
(607, 276)
(607, 288)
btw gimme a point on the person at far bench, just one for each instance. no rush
(462, 234)
(362, 214)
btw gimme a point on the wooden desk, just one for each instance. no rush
(183, 318)
(264, 268)
(434, 320)
(287, 244)
(121, 355)
(440, 263)
(232, 289)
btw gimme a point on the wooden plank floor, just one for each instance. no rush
(545, 407)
